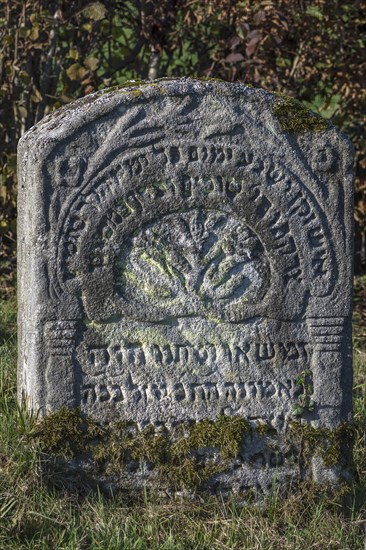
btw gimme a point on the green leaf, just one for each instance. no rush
(22, 110)
(24, 77)
(313, 11)
(36, 95)
(8, 39)
(297, 410)
(34, 33)
(23, 32)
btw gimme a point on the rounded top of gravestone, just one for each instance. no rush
(280, 114)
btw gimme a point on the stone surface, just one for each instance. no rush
(185, 252)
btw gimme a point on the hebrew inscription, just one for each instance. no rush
(182, 258)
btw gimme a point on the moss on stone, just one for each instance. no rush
(295, 118)
(189, 455)
(126, 88)
(176, 457)
(66, 433)
(183, 474)
(127, 84)
(123, 443)
(333, 446)
(262, 428)
(139, 83)
(305, 403)
(225, 434)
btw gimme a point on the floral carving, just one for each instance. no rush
(193, 262)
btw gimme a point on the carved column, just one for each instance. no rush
(61, 338)
(330, 362)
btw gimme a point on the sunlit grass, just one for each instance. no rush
(37, 514)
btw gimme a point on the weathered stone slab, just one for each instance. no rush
(185, 254)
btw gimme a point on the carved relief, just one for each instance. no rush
(186, 264)
(213, 392)
(106, 227)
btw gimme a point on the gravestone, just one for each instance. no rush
(185, 261)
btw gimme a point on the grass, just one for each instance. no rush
(39, 509)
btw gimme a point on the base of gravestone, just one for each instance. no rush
(230, 457)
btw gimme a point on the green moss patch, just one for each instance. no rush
(66, 433)
(189, 455)
(333, 446)
(178, 458)
(225, 434)
(295, 118)
(305, 402)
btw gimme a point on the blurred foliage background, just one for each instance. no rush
(54, 52)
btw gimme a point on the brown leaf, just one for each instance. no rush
(76, 71)
(254, 35)
(234, 58)
(259, 17)
(234, 41)
(95, 11)
(251, 47)
(91, 63)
